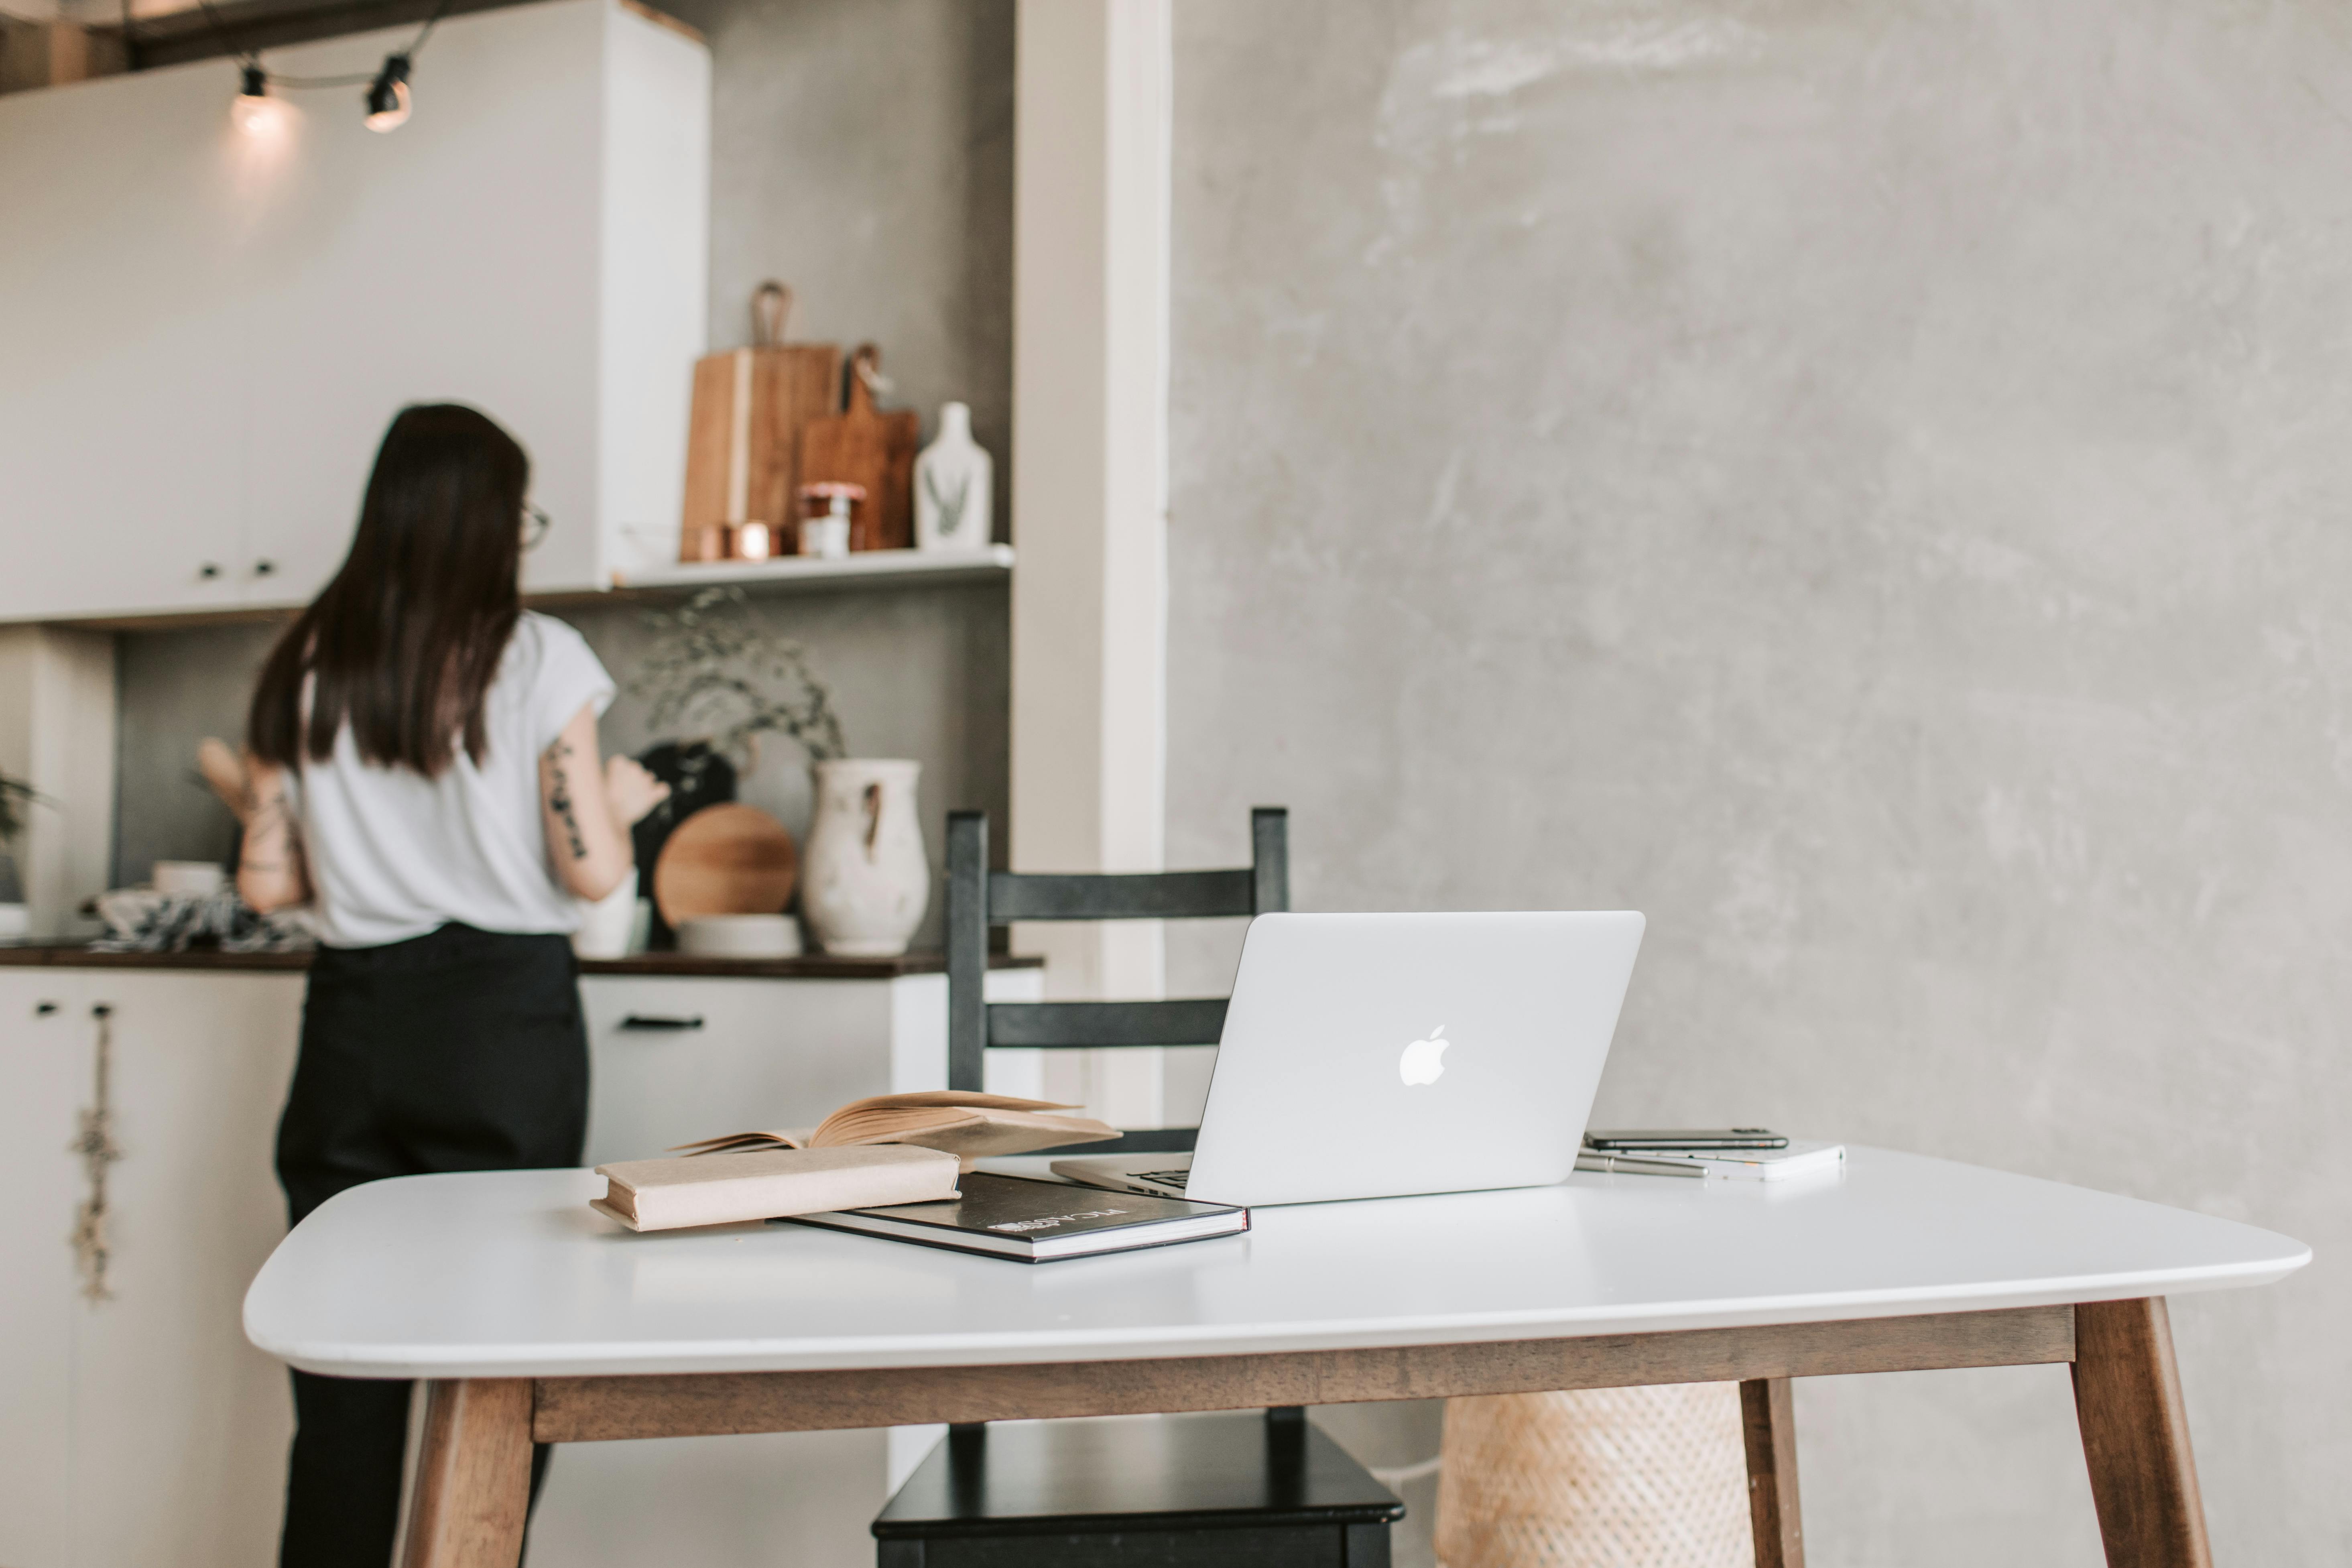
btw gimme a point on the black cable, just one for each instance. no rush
(430, 23)
(228, 39)
(305, 83)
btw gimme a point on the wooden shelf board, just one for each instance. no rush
(869, 568)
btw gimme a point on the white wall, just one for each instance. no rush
(57, 734)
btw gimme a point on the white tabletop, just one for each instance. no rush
(509, 1274)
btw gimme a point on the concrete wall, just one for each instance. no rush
(1864, 484)
(862, 152)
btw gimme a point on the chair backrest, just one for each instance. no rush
(979, 898)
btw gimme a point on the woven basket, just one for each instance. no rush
(1607, 1478)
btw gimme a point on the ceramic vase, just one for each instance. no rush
(867, 881)
(954, 480)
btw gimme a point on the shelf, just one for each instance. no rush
(790, 573)
(866, 568)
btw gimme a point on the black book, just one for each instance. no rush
(1037, 1222)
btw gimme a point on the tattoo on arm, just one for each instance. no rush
(559, 799)
(268, 835)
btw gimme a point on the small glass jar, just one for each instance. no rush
(826, 512)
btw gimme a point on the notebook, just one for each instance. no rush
(1035, 1221)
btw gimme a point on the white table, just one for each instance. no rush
(533, 1318)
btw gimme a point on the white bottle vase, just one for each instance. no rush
(954, 480)
(867, 881)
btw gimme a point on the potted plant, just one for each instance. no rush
(715, 666)
(16, 797)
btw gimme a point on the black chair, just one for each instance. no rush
(1234, 1488)
(979, 900)
(1231, 1490)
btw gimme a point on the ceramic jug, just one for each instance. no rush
(867, 881)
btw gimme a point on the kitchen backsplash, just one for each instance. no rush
(920, 673)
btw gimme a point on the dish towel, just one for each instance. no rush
(140, 919)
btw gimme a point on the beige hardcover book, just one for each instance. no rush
(967, 1125)
(667, 1195)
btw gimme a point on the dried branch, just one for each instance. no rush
(715, 667)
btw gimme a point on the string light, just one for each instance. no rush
(388, 99)
(387, 96)
(256, 112)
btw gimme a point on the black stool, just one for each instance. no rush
(1229, 1489)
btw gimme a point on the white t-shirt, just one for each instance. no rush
(392, 854)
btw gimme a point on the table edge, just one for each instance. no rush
(659, 1358)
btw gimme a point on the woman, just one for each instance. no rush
(422, 764)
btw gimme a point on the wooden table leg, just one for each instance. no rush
(1768, 1420)
(2135, 1437)
(472, 1487)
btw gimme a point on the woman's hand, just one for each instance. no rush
(630, 792)
(225, 771)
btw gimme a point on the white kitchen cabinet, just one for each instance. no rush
(210, 330)
(676, 1057)
(141, 1431)
(44, 1079)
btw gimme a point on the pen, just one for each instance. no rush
(1634, 1165)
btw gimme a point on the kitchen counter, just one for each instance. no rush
(811, 966)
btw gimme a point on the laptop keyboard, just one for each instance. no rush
(1165, 1178)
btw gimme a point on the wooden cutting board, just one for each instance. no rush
(742, 443)
(729, 859)
(865, 445)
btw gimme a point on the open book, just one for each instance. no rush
(968, 1126)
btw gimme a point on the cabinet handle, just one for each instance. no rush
(264, 568)
(208, 571)
(43, 1009)
(655, 1021)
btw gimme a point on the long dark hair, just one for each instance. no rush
(406, 638)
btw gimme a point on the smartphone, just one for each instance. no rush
(1688, 1138)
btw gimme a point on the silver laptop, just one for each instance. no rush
(1376, 1056)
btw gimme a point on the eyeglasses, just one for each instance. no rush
(535, 524)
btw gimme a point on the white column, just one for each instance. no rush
(57, 734)
(1090, 496)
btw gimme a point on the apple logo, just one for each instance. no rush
(1425, 1060)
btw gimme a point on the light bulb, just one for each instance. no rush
(387, 96)
(256, 112)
